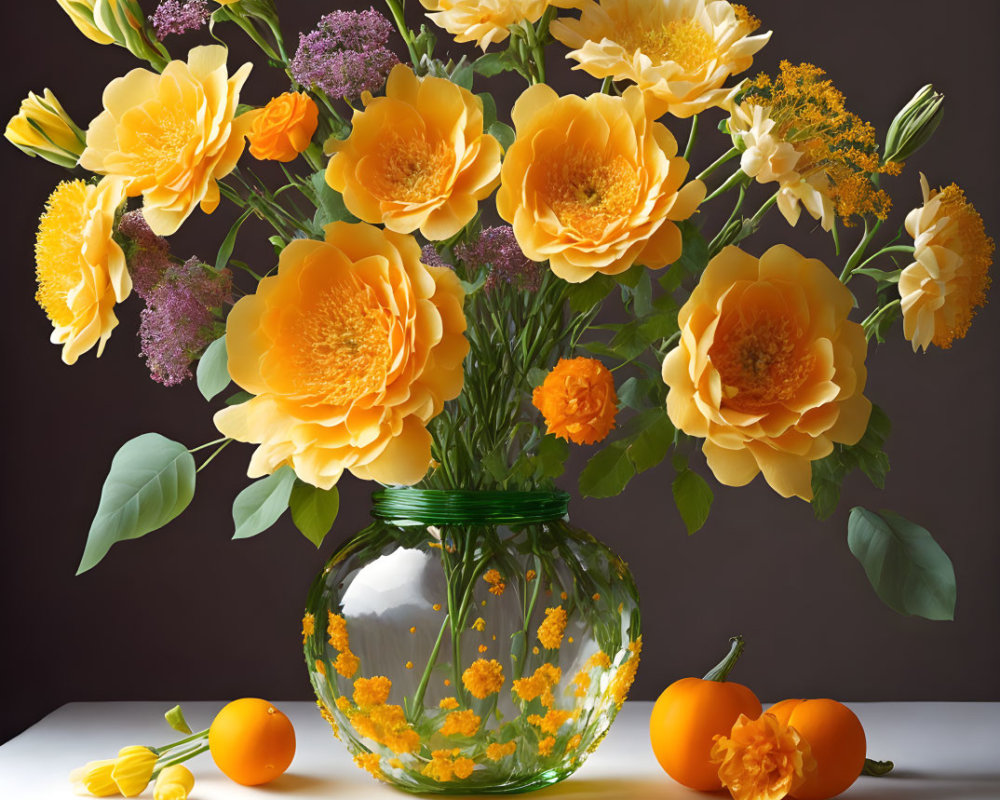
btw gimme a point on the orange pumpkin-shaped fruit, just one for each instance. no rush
(251, 741)
(836, 739)
(689, 715)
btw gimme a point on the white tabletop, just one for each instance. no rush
(942, 751)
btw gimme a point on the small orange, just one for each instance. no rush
(251, 741)
(837, 741)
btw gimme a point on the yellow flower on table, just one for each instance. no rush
(416, 158)
(768, 371)
(578, 400)
(351, 348)
(762, 759)
(593, 185)
(173, 783)
(43, 128)
(487, 21)
(133, 769)
(949, 276)
(679, 51)
(81, 270)
(94, 778)
(171, 136)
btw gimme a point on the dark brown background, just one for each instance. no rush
(188, 614)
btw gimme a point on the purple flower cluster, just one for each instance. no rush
(180, 318)
(175, 16)
(148, 254)
(497, 248)
(430, 256)
(346, 54)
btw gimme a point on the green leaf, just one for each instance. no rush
(608, 472)
(653, 443)
(314, 510)
(489, 108)
(329, 203)
(175, 719)
(493, 64)
(693, 497)
(584, 296)
(238, 398)
(694, 249)
(150, 482)
(908, 569)
(632, 275)
(879, 275)
(502, 133)
(868, 455)
(642, 295)
(462, 74)
(537, 376)
(213, 369)
(551, 456)
(226, 248)
(258, 506)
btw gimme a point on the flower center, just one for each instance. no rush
(59, 248)
(413, 170)
(683, 41)
(161, 134)
(587, 192)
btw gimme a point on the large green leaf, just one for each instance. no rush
(908, 569)
(150, 482)
(693, 497)
(314, 510)
(258, 506)
(329, 203)
(651, 445)
(213, 369)
(607, 473)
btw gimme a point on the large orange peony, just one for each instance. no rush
(769, 371)
(351, 348)
(593, 184)
(417, 158)
(578, 400)
(171, 136)
(284, 127)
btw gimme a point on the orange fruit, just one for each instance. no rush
(251, 741)
(837, 741)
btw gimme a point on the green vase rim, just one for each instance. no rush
(468, 506)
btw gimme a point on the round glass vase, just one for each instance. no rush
(471, 641)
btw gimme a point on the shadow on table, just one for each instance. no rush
(292, 784)
(606, 789)
(916, 785)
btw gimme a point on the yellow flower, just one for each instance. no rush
(43, 128)
(496, 582)
(320, 667)
(173, 783)
(387, 726)
(347, 664)
(80, 268)
(761, 759)
(416, 158)
(444, 765)
(593, 184)
(553, 720)
(573, 742)
(81, 12)
(350, 350)
(94, 778)
(482, 678)
(370, 762)
(625, 674)
(578, 400)
(372, 691)
(336, 628)
(308, 626)
(679, 51)
(550, 632)
(487, 21)
(171, 136)
(461, 723)
(479, 624)
(496, 751)
(132, 769)
(284, 127)
(545, 746)
(344, 705)
(600, 660)
(539, 684)
(448, 703)
(769, 371)
(949, 275)
(581, 681)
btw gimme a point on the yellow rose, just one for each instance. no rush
(80, 268)
(417, 158)
(171, 136)
(43, 128)
(949, 276)
(81, 12)
(350, 350)
(680, 51)
(284, 127)
(593, 184)
(769, 371)
(487, 21)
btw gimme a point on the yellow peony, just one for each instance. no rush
(487, 21)
(593, 184)
(80, 268)
(680, 51)
(769, 371)
(171, 136)
(949, 275)
(417, 158)
(43, 128)
(350, 350)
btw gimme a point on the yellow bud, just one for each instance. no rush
(133, 768)
(94, 778)
(82, 14)
(173, 783)
(43, 128)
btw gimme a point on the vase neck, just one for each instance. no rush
(461, 507)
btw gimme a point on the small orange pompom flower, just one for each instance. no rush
(284, 127)
(762, 759)
(578, 400)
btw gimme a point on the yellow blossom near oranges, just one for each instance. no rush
(580, 684)
(545, 746)
(94, 778)
(328, 716)
(350, 349)
(387, 725)
(599, 660)
(487, 21)
(496, 751)
(769, 371)
(347, 664)
(81, 270)
(372, 691)
(175, 782)
(550, 632)
(447, 764)
(336, 629)
(538, 685)
(949, 276)
(370, 762)
(679, 51)
(578, 400)
(553, 720)
(461, 723)
(320, 667)
(761, 759)
(133, 769)
(284, 127)
(625, 674)
(593, 185)
(417, 158)
(483, 678)
(171, 137)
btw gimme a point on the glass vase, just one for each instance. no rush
(471, 641)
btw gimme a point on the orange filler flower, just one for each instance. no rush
(578, 400)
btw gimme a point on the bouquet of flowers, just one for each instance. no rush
(452, 301)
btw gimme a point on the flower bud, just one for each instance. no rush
(94, 779)
(914, 124)
(81, 12)
(132, 769)
(173, 783)
(43, 128)
(120, 22)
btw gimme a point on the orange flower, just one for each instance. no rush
(284, 127)
(550, 632)
(461, 723)
(578, 400)
(593, 184)
(761, 759)
(769, 371)
(482, 678)
(539, 684)
(416, 158)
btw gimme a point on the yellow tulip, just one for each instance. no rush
(43, 128)
(132, 769)
(94, 778)
(173, 783)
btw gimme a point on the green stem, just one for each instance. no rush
(859, 251)
(218, 450)
(873, 318)
(180, 758)
(721, 670)
(734, 180)
(755, 220)
(539, 577)
(899, 248)
(202, 447)
(396, 7)
(164, 748)
(418, 697)
(606, 85)
(692, 138)
(724, 158)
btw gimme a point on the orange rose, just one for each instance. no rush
(578, 400)
(769, 371)
(284, 127)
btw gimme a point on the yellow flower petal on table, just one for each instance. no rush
(173, 783)
(133, 769)
(761, 759)
(578, 400)
(94, 778)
